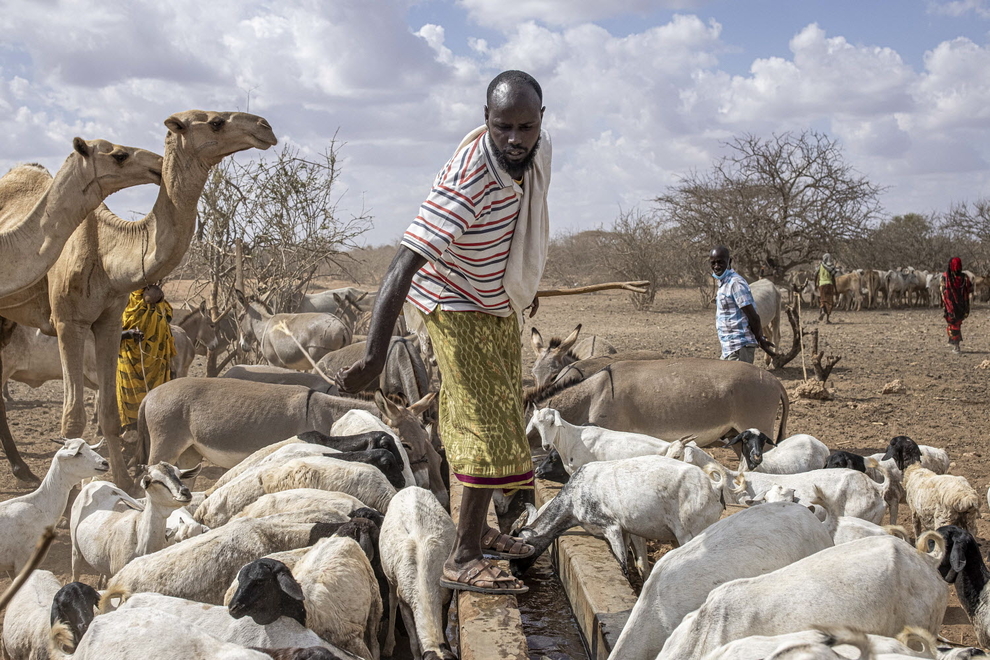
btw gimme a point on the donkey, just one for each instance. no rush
(711, 399)
(553, 357)
(317, 333)
(200, 335)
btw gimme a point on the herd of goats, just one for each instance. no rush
(332, 514)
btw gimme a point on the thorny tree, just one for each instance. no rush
(284, 210)
(784, 199)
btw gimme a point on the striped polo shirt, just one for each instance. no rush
(464, 230)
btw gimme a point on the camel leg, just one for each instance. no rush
(71, 343)
(106, 333)
(17, 465)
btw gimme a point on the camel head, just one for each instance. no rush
(114, 167)
(211, 136)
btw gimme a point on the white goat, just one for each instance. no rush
(933, 458)
(27, 619)
(851, 492)
(794, 454)
(815, 645)
(936, 500)
(649, 497)
(302, 499)
(356, 421)
(24, 518)
(180, 525)
(343, 603)
(579, 445)
(202, 567)
(746, 544)
(847, 586)
(363, 481)
(109, 528)
(284, 632)
(416, 538)
(152, 635)
(255, 458)
(843, 528)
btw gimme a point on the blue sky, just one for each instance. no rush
(637, 91)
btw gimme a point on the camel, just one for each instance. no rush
(38, 213)
(107, 258)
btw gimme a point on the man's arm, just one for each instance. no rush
(388, 306)
(757, 327)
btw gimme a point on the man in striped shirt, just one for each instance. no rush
(470, 263)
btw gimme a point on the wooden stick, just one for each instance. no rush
(804, 367)
(40, 550)
(635, 287)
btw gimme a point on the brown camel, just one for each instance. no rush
(109, 257)
(38, 214)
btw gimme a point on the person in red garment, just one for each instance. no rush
(956, 291)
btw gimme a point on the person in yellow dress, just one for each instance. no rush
(146, 350)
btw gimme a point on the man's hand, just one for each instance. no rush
(356, 377)
(534, 307)
(766, 345)
(133, 333)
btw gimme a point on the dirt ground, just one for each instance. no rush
(944, 403)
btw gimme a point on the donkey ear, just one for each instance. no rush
(569, 340)
(536, 339)
(387, 408)
(423, 404)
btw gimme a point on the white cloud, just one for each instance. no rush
(501, 14)
(957, 8)
(628, 114)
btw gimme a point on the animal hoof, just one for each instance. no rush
(24, 475)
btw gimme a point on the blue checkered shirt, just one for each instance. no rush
(732, 325)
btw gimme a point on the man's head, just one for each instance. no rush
(719, 259)
(152, 294)
(514, 116)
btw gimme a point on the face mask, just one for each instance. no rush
(722, 276)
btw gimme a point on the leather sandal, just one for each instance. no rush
(503, 546)
(484, 577)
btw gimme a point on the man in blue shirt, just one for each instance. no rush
(738, 324)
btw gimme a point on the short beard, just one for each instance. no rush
(521, 167)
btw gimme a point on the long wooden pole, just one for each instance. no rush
(635, 287)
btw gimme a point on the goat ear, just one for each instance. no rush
(145, 481)
(767, 439)
(289, 586)
(957, 558)
(735, 440)
(537, 341)
(556, 418)
(191, 472)
(889, 453)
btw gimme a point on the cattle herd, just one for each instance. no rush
(869, 288)
(330, 523)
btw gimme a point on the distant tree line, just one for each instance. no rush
(777, 203)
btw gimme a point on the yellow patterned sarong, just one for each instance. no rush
(481, 411)
(143, 366)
